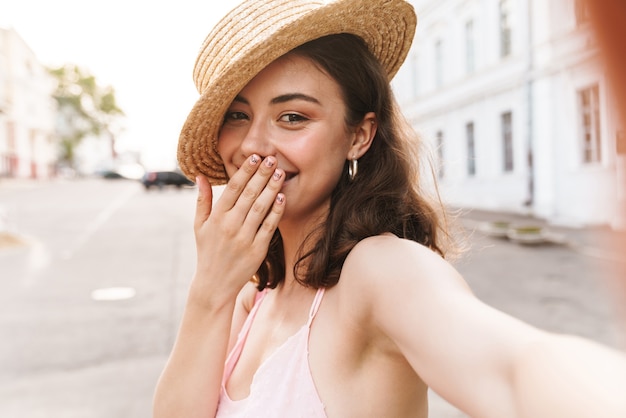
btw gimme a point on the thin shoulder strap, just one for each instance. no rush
(233, 357)
(316, 305)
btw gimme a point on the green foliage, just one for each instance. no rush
(85, 108)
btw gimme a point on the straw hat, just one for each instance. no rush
(256, 33)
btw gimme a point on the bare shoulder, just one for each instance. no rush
(388, 261)
(389, 244)
(390, 277)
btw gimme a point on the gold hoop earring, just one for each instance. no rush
(353, 168)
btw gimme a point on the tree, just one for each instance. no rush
(84, 108)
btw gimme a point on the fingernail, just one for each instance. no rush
(280, 198)
(201, 186)
(277, 175)
(254, 159)
(269, 162)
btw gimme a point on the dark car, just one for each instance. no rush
(161, 179)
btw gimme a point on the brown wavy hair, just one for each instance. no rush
(385, 195)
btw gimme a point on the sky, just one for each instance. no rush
(144, 49)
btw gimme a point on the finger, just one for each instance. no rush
(237, 183)
(255, 187)
(205, 201)
(270, 223)
(263, 204)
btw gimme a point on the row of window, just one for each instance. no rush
(589, 125)
(506, 122)
(504, 8)
(505, 37)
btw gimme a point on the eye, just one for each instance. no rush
(235, 116)
(292, 118)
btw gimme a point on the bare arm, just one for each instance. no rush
(231, 247)
(570, 377)
(194, 370)
(483, 361)
(190, 383)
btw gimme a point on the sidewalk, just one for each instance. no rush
(595, 241)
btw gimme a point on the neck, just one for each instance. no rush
(294, 235)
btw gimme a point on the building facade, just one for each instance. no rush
(28, 147)
(514, 101)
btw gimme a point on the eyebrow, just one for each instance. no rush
(294, 96)
(283, 98)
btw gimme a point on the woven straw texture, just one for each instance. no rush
(256, 33)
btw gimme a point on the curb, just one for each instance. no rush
(544, 235)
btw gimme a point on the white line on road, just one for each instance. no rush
(102, 217)
(113, 293)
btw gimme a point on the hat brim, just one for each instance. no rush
(229, 60)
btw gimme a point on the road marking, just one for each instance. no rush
(113, 293)
(102, 217)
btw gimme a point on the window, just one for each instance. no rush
(438, 63)
(469, 46)
(582, 12)
(471, 149)
(32, 140)
(589, 109)
(507, 140)
(440, 160)
(505, 28)
(11, 143)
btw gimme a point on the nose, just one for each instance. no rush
(258, 140)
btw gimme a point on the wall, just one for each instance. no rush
(552, 56)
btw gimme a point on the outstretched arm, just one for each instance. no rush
(232, 240)
(481, 360)
(567, 376)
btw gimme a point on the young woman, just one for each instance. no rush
(321, 287)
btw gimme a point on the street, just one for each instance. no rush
(93, 290)
(64, 354)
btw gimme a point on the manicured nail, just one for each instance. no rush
(280, 198)
(254, 159)
(201, 185)
(269, 162)
(277, 175)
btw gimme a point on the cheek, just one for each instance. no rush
(226, 144)
(327, 160)
(226, 149)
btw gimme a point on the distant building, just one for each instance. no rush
(513, 98)
(28, 147)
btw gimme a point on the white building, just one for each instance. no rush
(28, 146)
(514, 100)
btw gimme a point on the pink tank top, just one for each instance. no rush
(282, 386)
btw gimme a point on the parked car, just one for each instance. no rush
(110, 174)
(161, 179)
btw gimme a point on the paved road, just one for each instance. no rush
(64, 354)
